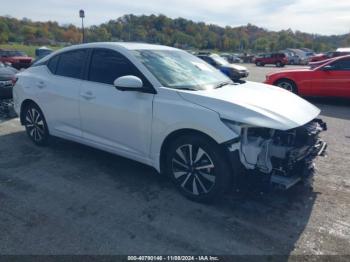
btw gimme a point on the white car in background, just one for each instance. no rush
(169, 109)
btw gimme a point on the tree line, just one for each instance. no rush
(161, 29)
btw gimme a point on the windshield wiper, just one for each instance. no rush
(240, 82)
(186, 88)
(222, 84)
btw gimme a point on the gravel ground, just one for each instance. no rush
(72, 199)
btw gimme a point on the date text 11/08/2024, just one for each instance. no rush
(173, 258)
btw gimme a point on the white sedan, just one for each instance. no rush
(168, 109)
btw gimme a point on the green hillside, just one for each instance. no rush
(164, 30)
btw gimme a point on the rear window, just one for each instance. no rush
(279, 55)
(71, 64)
(52, 64)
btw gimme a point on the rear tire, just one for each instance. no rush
(288, 85)
(198, 168)
(35, 124)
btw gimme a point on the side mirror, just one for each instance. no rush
(128, 83)
(327, 68)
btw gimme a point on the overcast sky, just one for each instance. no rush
(312, 16)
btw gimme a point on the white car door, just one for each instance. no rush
(59, 93)
(119, 121)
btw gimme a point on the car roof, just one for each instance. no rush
(273, 53)
(338, 58)
(128, 46)
(125, 45)
(118, 46)
(319, 64)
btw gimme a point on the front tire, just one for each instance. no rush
(35, 124)
(287, 85)
(198, 168)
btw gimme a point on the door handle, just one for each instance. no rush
(88, 95)
(41, 84)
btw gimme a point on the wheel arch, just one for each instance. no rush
(174, 135)
(24, 104)
(275, 83)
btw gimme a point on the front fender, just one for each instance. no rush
(171, 114)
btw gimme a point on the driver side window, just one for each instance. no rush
(341, 65)
(107, 65)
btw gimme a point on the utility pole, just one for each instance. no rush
(82, 16)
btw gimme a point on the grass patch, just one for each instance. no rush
(28, 49)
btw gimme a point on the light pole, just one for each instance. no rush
(82, 16)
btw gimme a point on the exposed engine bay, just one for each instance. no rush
(6, 108)
(287, 156)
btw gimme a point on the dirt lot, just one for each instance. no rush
(71, 199)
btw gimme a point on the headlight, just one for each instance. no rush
(233, 125)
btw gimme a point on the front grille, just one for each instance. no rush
(303, 145)
(300, 136)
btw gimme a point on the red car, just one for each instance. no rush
(331, 78)
(322, 57)
(278, 59)
(17, 59)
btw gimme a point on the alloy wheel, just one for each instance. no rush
(35, 124)
(287, 86)
(193, 169)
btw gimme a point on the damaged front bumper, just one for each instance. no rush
(282, 157)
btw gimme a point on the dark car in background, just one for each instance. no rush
(7, 80)
(234, 59)
(42, 52)
(17, 59)
(235, 72)
(293, 59)
(278, 59)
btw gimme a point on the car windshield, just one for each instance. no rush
(181, 70)
(219, 60)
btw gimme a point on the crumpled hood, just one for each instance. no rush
(255, 104)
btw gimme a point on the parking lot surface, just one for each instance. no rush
(71, 199)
